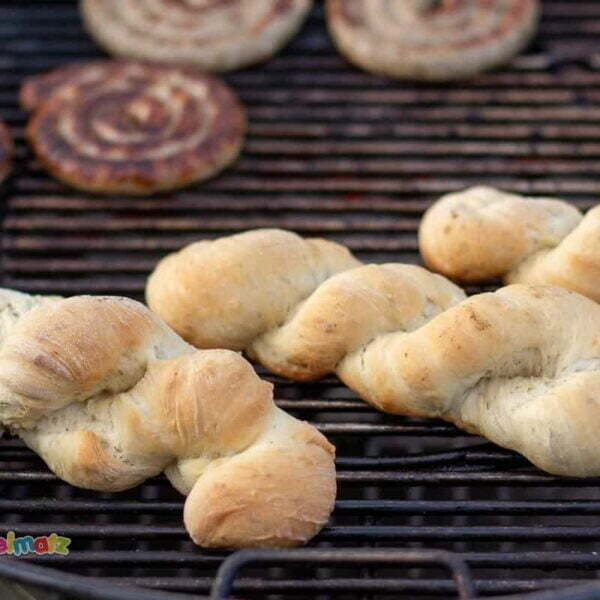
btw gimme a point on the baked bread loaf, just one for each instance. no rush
(431, 39)
(6, 151)
(114, 126)
(108, 395)
(210, 34)
(298, 306)
(482, 234)
(520, 366)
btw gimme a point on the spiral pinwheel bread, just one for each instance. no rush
(482, 233)
(214, 35)
(108, 396)
(431, 39)
(132, 127)
(520, 366)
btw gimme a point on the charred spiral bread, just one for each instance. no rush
(482, 233)
(431, 39)
(108, 395)
(520, 366)
(113, 126)
(212, 35)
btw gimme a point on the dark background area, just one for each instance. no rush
(335, 152)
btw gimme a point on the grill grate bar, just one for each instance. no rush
(375, 507)
(398, 585)
(336, 152)
(334, 533)
(514, 560)
(230, 568)
(480, 478)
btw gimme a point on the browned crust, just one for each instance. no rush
(278, 9)
(108, 396)
(483, 234)
(37, 88)
(340, 13)
(420, 53)
(68, 96)
(218, 35)
(6, 150)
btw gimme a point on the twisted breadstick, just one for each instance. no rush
(520, 366)
(108, 396)
(482, 234)
(300, 307)
(132, 127)
(214, 35)
(431, 39)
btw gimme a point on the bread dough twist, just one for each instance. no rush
(520, 366)
(431, 39)
(108, 395)
(482, 234)
(300, 307)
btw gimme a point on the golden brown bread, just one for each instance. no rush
(299, 306)
(233, 311)
(431, 39)
(114, 126)
(108, 395)
(520, 366)
(211, 35)
(482, 234)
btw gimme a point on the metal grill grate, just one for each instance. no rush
(339, 153)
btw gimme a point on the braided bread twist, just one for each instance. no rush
(300, 307)
(108, 396)
(482, 233)
(508, 365)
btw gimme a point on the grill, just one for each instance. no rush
(424, 511)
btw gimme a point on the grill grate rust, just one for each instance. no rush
(335, 152)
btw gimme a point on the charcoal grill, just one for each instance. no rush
(424, 511)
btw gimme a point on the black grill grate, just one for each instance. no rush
(339, 153)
